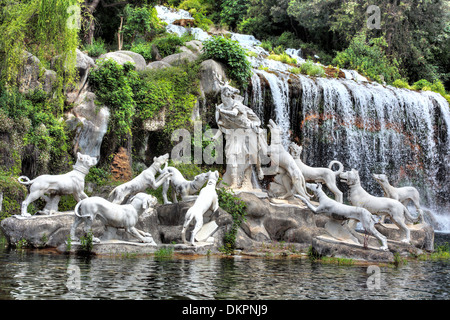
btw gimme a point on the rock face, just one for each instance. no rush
(209, 70)
(267, 222)
(121, 57)
(180, 58)
(31, 78)
(90, 123)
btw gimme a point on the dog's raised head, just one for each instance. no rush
(315, 187)
(201, 178)
(159, 161)
(213, 176)
(142, 201)
(381, 178)
(295, 150)
(350, 177)
(85, 160)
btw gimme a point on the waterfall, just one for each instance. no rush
(373, 128)
(280, 95)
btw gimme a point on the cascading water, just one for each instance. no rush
(372, 128)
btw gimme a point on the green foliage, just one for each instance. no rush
(283, 57)
(32, 120)
(144, 49)
(400, 83)
(232, 55)
(141, 22)
(309, 68)
(13, 195)
(96, 49)
(236, 207)
(233, 12)
(43, 28)
(169, 44)
(164, 253)
(110, 82)
(369, 58)
(86, 242)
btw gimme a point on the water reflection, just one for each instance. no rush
(39, 275)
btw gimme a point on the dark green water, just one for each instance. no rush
(31, 274)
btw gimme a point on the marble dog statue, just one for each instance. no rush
(207, 200)
(292, 176)
(52, 187)
(181, 186)
(377, 205)
(339, 211)
(146, 179)
(403, 194)
(113, 215)
(323, 175)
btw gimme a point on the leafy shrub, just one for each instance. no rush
(169, 44)
(369, 58)
(13, 195)
(311, 69)
(141, 21)
(110, 83)
(232, 55)
(236, 207)
(233, 12)
(266, 45)
(399, 83)
(96, 49)
(422, 84)
(144, 49)
(284, 57)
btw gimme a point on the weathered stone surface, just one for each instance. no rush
(422, 235)
(156, 65)
(137, 58)
(209, 71)
(180, 58)
(90, 123)
(196, 46)
(330, 247)
(266, 221)
(42, 230)
(34, 76)
(120, 58)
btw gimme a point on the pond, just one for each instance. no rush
(42, 274)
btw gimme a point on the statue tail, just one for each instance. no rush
(77, 207)
(341, 167)
(25, 180)
(409, 216)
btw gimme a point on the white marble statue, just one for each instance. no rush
(243, 136)
(146, 179)
(52, 187)
(377, 205)
(180, 186)
(339, 211)
(113, 215)
(403, 194)
(322, 175)
(207, 200)
(291, 175)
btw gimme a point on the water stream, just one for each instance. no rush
(31, 274)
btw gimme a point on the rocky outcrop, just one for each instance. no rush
(180, 58)
(90, 124)
(122, 57)
(209, 71)
(33, 76)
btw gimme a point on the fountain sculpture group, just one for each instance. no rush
(246, 145)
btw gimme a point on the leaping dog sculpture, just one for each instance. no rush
(377, 205)
(333, 208)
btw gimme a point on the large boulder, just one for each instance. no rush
(90, 123)
(211, 73)
(137, 58)
(156, 65)
(33, 76)
(180, 58)
(120, 58)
